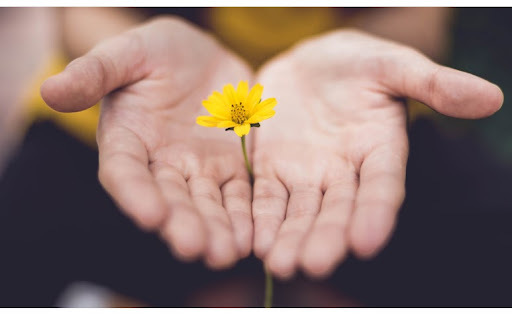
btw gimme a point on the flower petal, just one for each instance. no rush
(207, 121)
(242, 130)
(216, 109)
(254, 98)
(265, 105)
(229, 92)
(226, 124)
(220, 99)
(260, 116)
(241, 91)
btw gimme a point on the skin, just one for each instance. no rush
(170, 175)
(329, 167)
(28, 37)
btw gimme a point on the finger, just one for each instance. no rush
(110, 65)
(183, 230)
(303, 207)
(268, 210)
(326, 244)
(124, 173)
(221, 249)
(379, 197)
(236, 197)
(449, 91)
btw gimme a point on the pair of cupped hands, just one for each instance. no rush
(329, 167)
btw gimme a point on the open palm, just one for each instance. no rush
(330, 167)
(161, 168)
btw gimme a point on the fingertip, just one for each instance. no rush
(78, 87)
(221, 254)
(320, 258)
(244, 252)
(133, 188)
(242, 232)
(186, 238)
(464, 95)
(186, 250)
(268, 210)
(50, 92)
(144, 205)
(259, 251)
(58, 93)
(363, 247)
(149, 213)
(496, 99)
(281, 272)
(316, 269)
(281, 264)
(488, 99)
(315, 265)
(262, 243)
(369, 233)
(241, 222)
(221, 259)
(244, 242)
(237, 202)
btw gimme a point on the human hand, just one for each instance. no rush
(330, 166)
(28, 37)
(160, 167)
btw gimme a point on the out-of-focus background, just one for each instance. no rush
(64, 243)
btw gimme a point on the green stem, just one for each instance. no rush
(268, 289)
(268, 277)
(247, 164)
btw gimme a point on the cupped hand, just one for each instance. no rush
(161, 168)
(330, 166)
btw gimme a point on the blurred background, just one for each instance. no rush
(64, 243)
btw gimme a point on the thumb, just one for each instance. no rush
(448, 91)
(112, 64)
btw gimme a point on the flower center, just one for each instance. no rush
(238, 113)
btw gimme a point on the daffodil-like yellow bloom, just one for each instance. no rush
(237, 110)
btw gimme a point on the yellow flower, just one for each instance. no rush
(237, 110)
